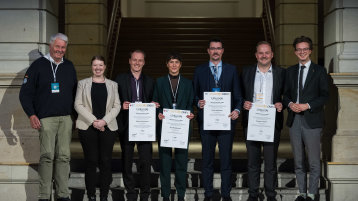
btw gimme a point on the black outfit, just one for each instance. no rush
(254, 147)
(98, 145)
(35, 94)
(144, 148)
(315, 93)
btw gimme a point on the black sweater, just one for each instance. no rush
(36, 96)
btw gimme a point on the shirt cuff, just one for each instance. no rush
(238, 110)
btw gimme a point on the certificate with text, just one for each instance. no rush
(175, 129)
(261, 125)
(141, 126)
(217, 110)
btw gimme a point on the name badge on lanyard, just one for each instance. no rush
(55, 86)
(216, 89)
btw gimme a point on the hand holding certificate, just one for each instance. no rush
(141, 122)
(261, 125)
(175, 128)
(217, 110)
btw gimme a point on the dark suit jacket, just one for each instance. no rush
(248, 83)
(125, 94)
(315, 93)
(163, 95)
(229, 82)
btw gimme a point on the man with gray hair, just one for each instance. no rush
(47, 97)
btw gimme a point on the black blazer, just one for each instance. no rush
(125, 94)
(315, 93)
(248, 83)
(228, 82)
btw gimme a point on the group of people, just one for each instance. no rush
(50, 93)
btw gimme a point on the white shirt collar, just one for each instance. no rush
(48, 57)
(307, 65)
(258, 70)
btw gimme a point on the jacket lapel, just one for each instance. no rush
(309, 75)
(88, 88)
(129, 88)
(108, 87)
(252, 75)
(295, 82)
(167, 92)
(274, 84)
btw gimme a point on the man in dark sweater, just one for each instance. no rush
(47, 96)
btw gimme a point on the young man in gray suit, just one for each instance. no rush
(306, 91)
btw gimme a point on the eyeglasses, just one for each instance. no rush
(215, 48)
(302, 50)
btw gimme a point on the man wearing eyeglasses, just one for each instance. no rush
(306, 91)
(220, 77)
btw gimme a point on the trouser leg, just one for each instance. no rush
(225, 140)
(270, 161)
(47, 137)
(63, 156)
(106, 142)
(165, 157)
(145, 159)
(298, 153)
(208, 141)
(89, 140)
(181, 165)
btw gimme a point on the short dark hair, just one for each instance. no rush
(263, 43)
(136, 51)
(98, 57)
(301, 40)
(174, 55)
(216, 40)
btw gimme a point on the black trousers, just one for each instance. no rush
(144, 166)
(97, 148)
(254, 165)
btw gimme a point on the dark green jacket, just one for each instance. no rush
(163, 95)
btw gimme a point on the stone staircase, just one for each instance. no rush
(286, 187)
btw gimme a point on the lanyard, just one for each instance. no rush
(137, 88)
(54, 71)
(176, 91)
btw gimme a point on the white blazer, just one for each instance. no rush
(83, 104)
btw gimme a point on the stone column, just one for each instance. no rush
(341, 56)
(86, 27)
(26, 26)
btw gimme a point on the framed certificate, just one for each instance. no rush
(175, 129)
(141, 126)
(217, 110)
(261, 125)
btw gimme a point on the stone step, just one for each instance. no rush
(197, 194)
(194, 180)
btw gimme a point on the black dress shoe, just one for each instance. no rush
(226, 199)
(208, 199)
(63, 199)
(252, 198)
(309, 199)
(91, 198)
(300, 198)
(271, 199)
(103, 198)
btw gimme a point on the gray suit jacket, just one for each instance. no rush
(83, 104)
